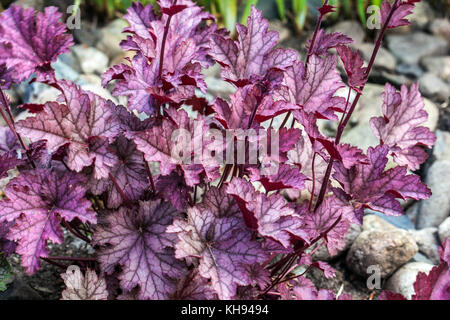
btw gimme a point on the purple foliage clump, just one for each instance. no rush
(200, 228)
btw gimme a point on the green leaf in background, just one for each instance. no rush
(76, 7)
(300, 8)
(281, 9)
(126, 3)
(228, 11)
(361, 7)
(377, 3)
(247, 10)
(334, 3)
(347, 6)
(5, 272)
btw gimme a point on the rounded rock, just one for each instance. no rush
(444, 230)
(386, 250)
(427, 241)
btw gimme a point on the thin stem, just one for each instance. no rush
(226, 172)
(119, 189)
(195, 194)
(296, 276)
(60, 265)
(313, 40)
(346, 106)
(149, 173)
(84, 259)
(313, 182)
(285, 120)
(310, 52)
(10, 122)
(163, 45)
(5, 103)
(285, 268)
(75, 233)
(352, 108)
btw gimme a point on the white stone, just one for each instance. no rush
(91, 60)
(403, 280)
(444, 230)
(437, 208)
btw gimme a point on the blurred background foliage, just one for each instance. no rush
(297, 12)
(229, 12)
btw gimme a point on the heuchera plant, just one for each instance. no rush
(199, 229)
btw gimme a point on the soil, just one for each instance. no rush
(47, 282)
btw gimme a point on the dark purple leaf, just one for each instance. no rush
(222, 245)
(136, 240)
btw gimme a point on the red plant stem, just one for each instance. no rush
(300, 250)
(314, 181)
(10, 123)
(75, 233)
(191, 202)
(163, 44)
(6, 104)
(352, 108)
(285, 268)
(60, 265)
(313, 40)
(195, 194)
(119, 189)
(285, 120)
(296, 276)
(346, 106)
(226, 172)
(150, 176)
(84, 259)
(253, 114)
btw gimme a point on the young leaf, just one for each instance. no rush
(248, 59)
(302, 155)
(276, 219)
(173, 188)
(331, 220)
(313, 88)
(168, 72)
(400, 129)
(326, 41)
(403, 9)
(354, 67)
(286, 177)
(238, 113)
